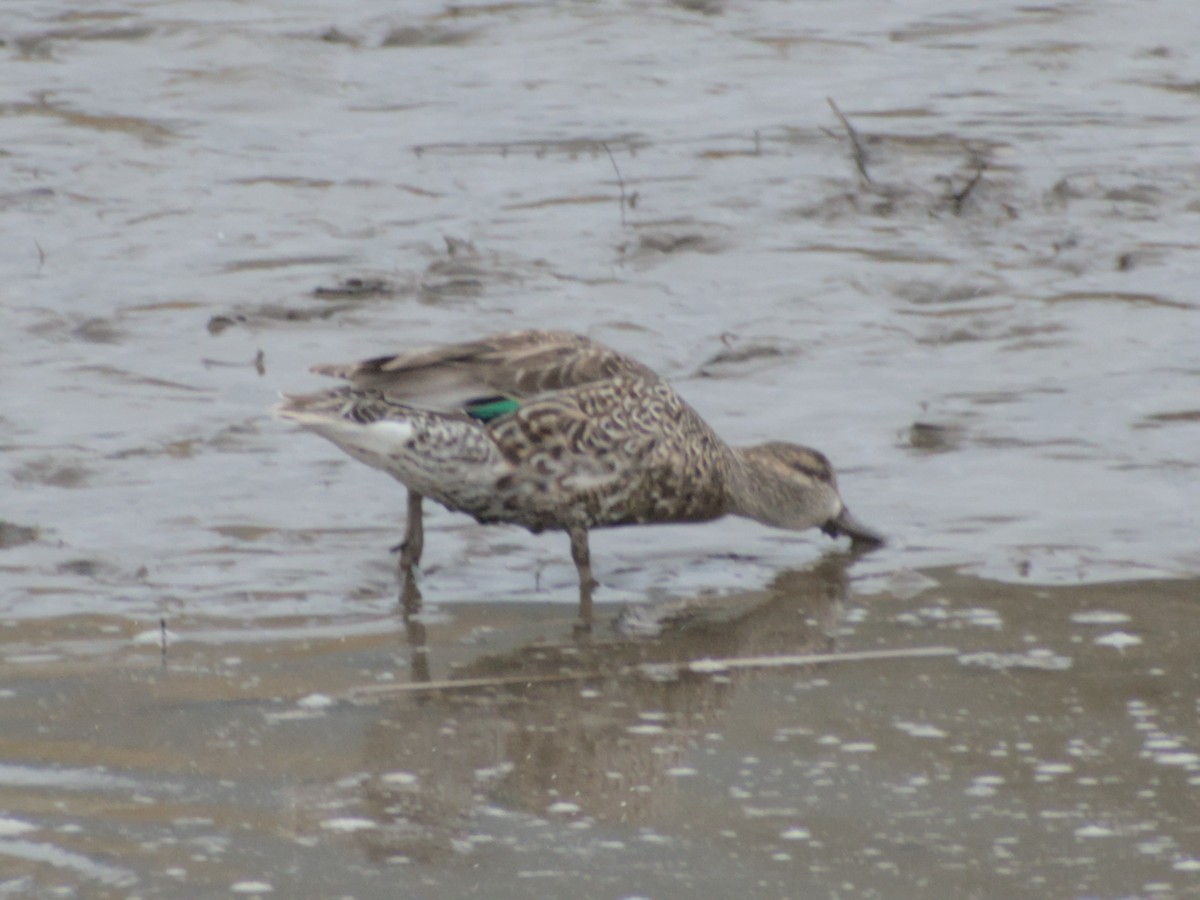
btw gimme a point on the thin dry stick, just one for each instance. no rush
(454, 684)
(961, 197)
(620, 181)
(860, 152)
(708, 666)
(697, 667)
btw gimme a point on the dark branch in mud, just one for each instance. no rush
(620, 181)
(859, 151)
(960, 197)
(656, 671)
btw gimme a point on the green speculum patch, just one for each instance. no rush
(489, 408)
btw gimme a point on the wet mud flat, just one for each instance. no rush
(1054, 752)
(952, 246)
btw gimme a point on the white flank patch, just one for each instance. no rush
(383, 437)
(377, 441)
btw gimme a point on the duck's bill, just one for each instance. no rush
(860, 535)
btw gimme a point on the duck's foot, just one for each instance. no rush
(414, 536)
(409, 562)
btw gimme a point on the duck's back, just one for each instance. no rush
(618, 451)
(588, 435)
(516, 364)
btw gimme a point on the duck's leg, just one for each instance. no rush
(414, 535)
(583, 565)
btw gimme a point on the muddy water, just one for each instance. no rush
(972, 284)
(1053, 753)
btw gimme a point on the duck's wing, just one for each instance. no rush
(506, 367)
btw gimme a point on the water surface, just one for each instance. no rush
(984, 315)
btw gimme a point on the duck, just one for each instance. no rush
(554, 431)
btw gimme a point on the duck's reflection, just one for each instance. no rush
(600, 746)
(414, 626)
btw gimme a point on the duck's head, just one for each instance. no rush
(790, 486)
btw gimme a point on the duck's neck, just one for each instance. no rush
(767, 489)
(750, 488)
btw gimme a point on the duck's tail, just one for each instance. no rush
(430, 452)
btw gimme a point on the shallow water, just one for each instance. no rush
(991, 334)
(1053, 753)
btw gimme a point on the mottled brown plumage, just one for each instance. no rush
(518, 364)
(550, 430)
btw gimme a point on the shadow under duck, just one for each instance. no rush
(553, 431)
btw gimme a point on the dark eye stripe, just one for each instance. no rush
(817, 473)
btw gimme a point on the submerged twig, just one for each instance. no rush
(620, 181)
(655, 670)
(456, 684)
(960, 197)
(859, 151)
(709, 666)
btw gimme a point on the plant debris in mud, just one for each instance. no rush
(736, 354)
(572, 148)
(97, 331)
(1166, 418)
(931, 437)
(150, 131)
(275, 313)
(356, 288)
(875, 197)
(13, 535)
(334, 35)
(858, 151)
(39, 45)
(87, 568)
(259, 363)
(50, 472)
(666, 242)
(411, 36)
(705, 7)
(463, 273)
